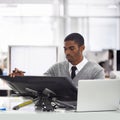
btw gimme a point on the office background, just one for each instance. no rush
(47, 22)
(41, 23)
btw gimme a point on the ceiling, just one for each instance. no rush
(74, 2)
(71, 1)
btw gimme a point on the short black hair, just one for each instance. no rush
(76, 37)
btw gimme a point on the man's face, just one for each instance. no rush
(73, 52)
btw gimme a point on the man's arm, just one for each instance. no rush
(99, 74)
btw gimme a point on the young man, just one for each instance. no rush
(73, 48)
(76, 67)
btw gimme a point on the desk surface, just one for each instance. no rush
(13, 115)
(29, 113)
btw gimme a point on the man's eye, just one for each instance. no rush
(71, 48)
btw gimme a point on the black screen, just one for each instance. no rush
(63, 88)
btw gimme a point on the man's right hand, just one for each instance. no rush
(16, 72)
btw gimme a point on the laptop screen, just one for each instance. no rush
(98, 95)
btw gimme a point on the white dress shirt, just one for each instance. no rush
(79, 66)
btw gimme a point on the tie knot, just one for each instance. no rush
(73, 68)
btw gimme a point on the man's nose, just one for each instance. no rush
(67, 52)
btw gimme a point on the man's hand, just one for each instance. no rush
(16, 72)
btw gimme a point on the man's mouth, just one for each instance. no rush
(68, 56)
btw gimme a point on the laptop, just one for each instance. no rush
(98, 95)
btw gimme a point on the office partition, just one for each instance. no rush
(34, 60)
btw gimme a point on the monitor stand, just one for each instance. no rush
(46, 101)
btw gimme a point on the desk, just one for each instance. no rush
(19, 115)
(28, 113)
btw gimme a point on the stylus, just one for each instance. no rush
(23, 104)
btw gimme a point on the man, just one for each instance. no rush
(81, 67)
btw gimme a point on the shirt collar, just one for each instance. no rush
(80, 65)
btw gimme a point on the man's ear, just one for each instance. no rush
(82, 47)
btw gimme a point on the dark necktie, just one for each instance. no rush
(73, 68)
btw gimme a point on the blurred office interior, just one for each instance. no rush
(47, 22)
